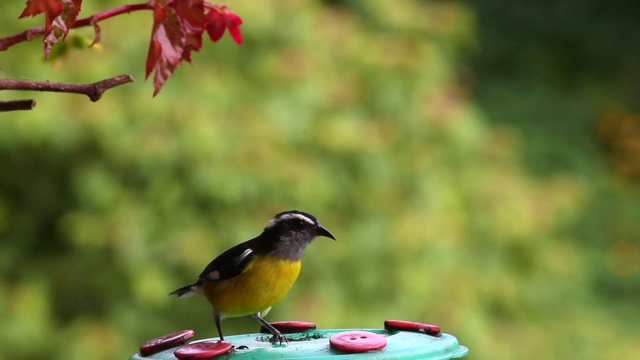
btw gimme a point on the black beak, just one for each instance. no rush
(322, 231)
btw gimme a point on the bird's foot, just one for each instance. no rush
(279, 338)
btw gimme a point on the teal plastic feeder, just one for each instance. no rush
(398, 340)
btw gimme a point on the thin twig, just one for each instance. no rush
(94, 90)
(13, 105)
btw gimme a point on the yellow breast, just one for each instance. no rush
(264, 282)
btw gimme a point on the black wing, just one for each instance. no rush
(230, 263)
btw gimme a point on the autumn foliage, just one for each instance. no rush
(178, 28)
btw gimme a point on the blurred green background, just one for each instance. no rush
(477, 161)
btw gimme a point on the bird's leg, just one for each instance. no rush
(216, 318)
(277, 336)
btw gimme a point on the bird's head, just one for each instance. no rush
(294, 230)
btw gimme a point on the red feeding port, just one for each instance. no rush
(203, 350)
(165, 342)
(357, 341)
(401, 325)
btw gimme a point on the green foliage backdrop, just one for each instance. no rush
(388, 120)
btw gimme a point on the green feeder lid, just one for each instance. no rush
(399, 340)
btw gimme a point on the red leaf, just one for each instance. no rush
(220, 18)
(233, 24)
(178, 27)
(60, 15)
(51, 9)
(215, 25)
(155, 50)
(177, 31)
(191, 17)
(71, 13)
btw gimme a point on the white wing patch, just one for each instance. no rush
(290, 216)
(241, 257)
(214, 275)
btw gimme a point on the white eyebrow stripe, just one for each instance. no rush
(290, 216)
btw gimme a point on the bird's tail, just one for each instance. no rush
(186, 291)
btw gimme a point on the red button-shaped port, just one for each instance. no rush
(203, 350)
(357, 341)
(289, 327)
(401, 325)
(165, 342)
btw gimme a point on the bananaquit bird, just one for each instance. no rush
(251, 277)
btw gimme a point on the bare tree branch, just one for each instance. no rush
(94, 91)
(13, 105)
